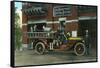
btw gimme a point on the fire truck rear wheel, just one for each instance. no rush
(40, 48)
(79, 49)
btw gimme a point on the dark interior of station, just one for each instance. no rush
(91, 26)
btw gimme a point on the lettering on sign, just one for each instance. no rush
(62, 10)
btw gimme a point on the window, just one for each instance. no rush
(86, 9)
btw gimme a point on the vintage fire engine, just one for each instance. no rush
(45, 39)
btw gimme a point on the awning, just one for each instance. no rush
(35, 11)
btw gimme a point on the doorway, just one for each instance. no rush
(91, 26)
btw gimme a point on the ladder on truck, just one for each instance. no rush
(40, 34)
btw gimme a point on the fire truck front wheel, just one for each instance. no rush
(79, 49)
(40, 48)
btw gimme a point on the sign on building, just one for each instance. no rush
(59, 11)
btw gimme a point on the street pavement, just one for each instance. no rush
(29, 57)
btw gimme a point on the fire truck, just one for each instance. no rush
(44, 39)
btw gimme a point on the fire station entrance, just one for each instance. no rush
(89, 27)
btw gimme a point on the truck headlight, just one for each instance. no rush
(83, 41)
(48, 34)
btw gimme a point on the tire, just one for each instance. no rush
(40, 48)
(79, 49)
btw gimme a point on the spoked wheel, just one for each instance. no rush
(79, 49)
(40, 48)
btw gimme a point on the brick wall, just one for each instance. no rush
(49, 17)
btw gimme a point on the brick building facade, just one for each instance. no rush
(53, 14)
